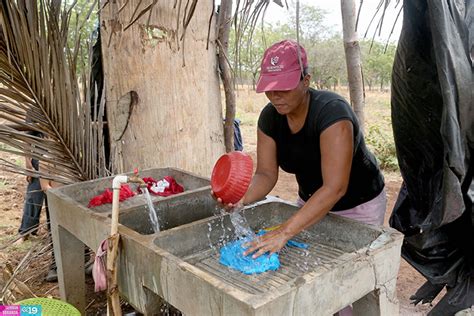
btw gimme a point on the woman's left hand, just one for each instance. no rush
(270, 243)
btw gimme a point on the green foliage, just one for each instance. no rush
(377, 63)
(328, 66)
(252, 43)
(380, 140)
(83, 34)
(323, 45)
(311, 21)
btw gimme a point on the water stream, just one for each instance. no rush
(242, 227)
(151, 211)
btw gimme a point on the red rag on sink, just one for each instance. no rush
(173, 188)
(106, 197)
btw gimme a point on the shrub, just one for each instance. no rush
(381, 142)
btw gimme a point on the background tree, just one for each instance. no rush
(377, 63)
(328, 65)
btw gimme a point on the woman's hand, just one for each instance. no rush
(271, 242)
(227, 207)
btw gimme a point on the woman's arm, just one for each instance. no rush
(336, 160)
(266, 174)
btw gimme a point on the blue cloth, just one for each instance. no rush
(232, 255)
(238, 143)
(297, 244)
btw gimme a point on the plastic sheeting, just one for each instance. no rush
(433, 123)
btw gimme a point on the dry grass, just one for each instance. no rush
(249, 104)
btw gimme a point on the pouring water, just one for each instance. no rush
(242, 227)
(151, 211)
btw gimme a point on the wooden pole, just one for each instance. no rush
(113, 298)
(224, 22)
(353, 60)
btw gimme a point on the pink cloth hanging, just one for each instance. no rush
(99, 270)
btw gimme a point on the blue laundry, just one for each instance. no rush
(232, 255)
(297, 244)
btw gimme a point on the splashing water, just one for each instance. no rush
(242, 227)
(151, 211)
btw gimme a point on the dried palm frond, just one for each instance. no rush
(16, 274)
(40, 93)
(380, 11)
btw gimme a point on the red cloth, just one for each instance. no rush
(173, 188)
(106, 197)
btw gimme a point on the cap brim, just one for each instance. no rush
(280, 82)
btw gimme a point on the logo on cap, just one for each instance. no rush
(274, 60)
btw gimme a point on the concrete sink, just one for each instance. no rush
(347, 262)
(171, 212)
(81, 193)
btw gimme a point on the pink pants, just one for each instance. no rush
(371, 212)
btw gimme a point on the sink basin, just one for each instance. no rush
(82, 192)
(172, 212)
(346, 262)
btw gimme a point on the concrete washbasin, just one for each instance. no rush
(83, 192)
(74, 225)
(346, 262)
(172, 212)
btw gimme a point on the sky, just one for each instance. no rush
(333, 16)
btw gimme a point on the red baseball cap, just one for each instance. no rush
(280, 69)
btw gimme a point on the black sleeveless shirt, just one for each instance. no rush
(300, 153)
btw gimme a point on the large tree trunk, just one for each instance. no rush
(176, 117)
(353, 60)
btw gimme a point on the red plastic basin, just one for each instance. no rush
(231, 176)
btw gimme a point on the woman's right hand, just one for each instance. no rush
(229, 207)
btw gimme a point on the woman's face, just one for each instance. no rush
(288, 102)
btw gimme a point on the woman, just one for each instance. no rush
(316, 136)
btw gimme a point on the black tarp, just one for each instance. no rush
(433, 124)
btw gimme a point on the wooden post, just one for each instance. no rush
(353, 60)
(224, 22)
(113, 297)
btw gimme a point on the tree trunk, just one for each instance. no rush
(224, 21)
(175, 118)
(353, 60)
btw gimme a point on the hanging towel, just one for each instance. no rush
(99, 270)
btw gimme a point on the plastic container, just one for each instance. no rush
(49, 307)
(231, 176)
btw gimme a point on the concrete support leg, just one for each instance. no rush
(380, 302)
(69, 254)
